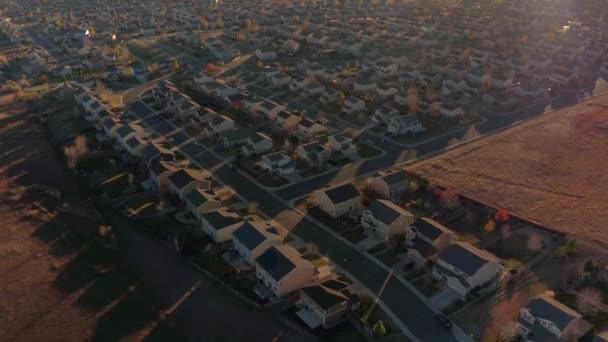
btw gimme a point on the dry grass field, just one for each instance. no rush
(552, 170)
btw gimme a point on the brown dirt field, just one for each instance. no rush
(50, 287)
(551, 170)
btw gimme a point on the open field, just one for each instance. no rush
(57, 280)
(551, 170)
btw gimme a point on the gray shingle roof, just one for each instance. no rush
(342, 193)
(429, 228)
(275, 263)
(249, 236)
(465, 257)
(217, 220)
(548, 308)
(383, 211)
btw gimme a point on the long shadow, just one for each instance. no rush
(126, 317)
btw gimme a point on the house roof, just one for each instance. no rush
(466, 258)
(547, 308)
(183, 177)
(252, 234)
(395, 178)
(423, 248)
(342, 193)
(197, 197)
(159, 166)
(386, 211)
(325, 297)
(429, 228)
(602, 337)
(275, 262)
(219, 219)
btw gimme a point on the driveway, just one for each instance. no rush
(443, 299)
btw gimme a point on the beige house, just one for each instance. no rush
(339, 201)
(386, 219)
(160, 171)
(183, 181)
(281, 270)
(425, 239)
(200, 201)
(325, 304)
(463, 267)
(221, 224)
(390, 185)
(254, 238)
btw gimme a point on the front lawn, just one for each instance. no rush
(354, 235)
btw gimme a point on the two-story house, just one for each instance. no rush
(390, 185)
(200, 201)
(277, 163)
(181, 182)
(463, 267)
(339, 201)
(281, 270)
(425, 239)
(254, 238)
(159, 172)
(546, 319)
(385, 219)
(314, 154)
(220, 224)
(342, 143)
(308, 128)
(353, 105)
(257, 143)
(404, 124)
(325, 304)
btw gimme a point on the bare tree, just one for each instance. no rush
(535, 242)
(252, 207)
(589, 301)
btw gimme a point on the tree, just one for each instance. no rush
(449, 199)
(589, 301)
(535, 242)
(252, 207)
(501, 216)
(490, 226)
(589, 266)
(75, 152)
(379, 329)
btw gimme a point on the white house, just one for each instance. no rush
(308, 128)
(339, 201)
(342, 143)
(404, 124)
(200, 201)
(353, 105)
(314, 153)
(257, 143)
(463, 267)
(159, 172)
(385, 219)
(281, 79)
(277, 163)
(265, 53)
(281, 270)
(545, 316)
(253, 238)
(287, 121)
(220, 224)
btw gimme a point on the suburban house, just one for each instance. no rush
(384, 114)
(385, 219)
(314, 154)
(269, 109)
(353, 105)
(281, 270)
(342, 143)
(181, 182)
(309, 128)
(390, 185)
(200, 201)
(426, 237)
(314, 89)
(546, 319)
(281, 79)
(217, 125)
(277, 163)
(257, 143)
(287, 121)
(253, 238)
(221, 224)
(160, 171)
(404, 124)
(330, 96)
(128, 131)
(386, 91)
(153, 151)
(325, 304)
(265, 53)
(464, 268)
(109, 125)
(339, 201)
(298, 83)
